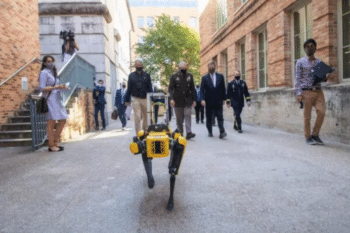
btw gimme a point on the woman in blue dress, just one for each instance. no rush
(51, 89)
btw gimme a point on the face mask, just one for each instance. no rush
(50, 65)
(211, 70)
(309, 52)
(183, 72)
(237, 77)
(139, 69)
(197, 86)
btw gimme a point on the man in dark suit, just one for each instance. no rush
(199, 108)
(120, 104)
(98, 96)
(213, 92)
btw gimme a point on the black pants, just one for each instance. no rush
(199, 111)
(237, 110)
(100, 108)
(218, 113)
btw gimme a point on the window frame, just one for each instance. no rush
(264, 31)
(340, 44)
(242, 43)
(221, 22)
(143, 22)
(293, 36)
(147, 18)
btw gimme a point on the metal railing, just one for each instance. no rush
(79, 73)
(38, 124)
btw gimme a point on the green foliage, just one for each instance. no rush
(165, 45)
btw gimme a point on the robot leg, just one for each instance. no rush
(174, 165)
(147, 162)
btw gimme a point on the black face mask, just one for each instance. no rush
(183, 72)
(139, 69)
(237, 77)
(197, 86)
(212, 70)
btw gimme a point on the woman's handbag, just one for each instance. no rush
(115, 114)
(41, 105)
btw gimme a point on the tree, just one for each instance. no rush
(165, 45)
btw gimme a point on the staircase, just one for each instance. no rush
(17, 131)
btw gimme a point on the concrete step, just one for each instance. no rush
(22, 113)
(19, 119)
(16, 126)
(15, 142)
(16, 134)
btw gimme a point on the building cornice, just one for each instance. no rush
(76, 8)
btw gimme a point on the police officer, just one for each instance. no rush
(236, 91)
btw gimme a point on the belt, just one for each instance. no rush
(311, 88)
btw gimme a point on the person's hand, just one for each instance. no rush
(248, 103)
(194, 104)
(62, 87)
(203, 103)
(299, 98)
(127, 104)
(172, 103)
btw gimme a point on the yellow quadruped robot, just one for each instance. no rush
(159, 142)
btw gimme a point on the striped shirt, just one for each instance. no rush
(303, 74)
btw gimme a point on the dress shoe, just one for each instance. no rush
(210, 135)
(190, 135)
(222, 135)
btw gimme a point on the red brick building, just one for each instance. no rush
(19, 46)
(263, 39)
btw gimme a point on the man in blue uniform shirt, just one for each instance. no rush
(236, 91)
(99, 101)
(120, 104)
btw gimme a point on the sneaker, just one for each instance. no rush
(317, 140)
(222, 135)
(310, 141)
(210, 135)
(190, 135)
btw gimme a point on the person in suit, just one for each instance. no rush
(119, 103)
(183, 97)
(199, 108)
(236, 91)
(213, 92)
(98, 96)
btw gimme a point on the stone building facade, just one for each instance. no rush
(102, 29)
(264, 39)
(19, 46)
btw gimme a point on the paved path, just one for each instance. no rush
(258, 181)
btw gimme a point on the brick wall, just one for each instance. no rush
(19, 43)
(81, 116)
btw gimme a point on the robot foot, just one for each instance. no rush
(150, 182)
(170, 206)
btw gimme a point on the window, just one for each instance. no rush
(242, 61)
(141, 40)
(176, 19)
(262, 61)
(193, 22)
(221, 13)
(140, 22)
(150, 22)
(224, 63)
(346, 38)
(302, 23)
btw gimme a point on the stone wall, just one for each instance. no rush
(80, 116)
(278, 109)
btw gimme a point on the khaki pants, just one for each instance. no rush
(140, 109)
(183, 114)
(313, 99)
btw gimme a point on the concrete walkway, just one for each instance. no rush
(258, 181)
